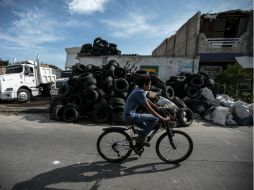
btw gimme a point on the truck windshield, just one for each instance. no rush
(14, 69)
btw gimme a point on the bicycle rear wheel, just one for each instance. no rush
(182, 150)
(114, 146)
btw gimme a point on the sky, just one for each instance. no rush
(47, 27)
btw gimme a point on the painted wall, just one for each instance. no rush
(167, 66)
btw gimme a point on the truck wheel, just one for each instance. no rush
(23, 95)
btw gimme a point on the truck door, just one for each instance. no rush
(29, 76)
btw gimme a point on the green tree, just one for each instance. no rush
(227, 81)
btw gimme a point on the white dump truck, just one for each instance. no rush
(25, 79)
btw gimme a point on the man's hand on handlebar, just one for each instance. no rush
(165, 119)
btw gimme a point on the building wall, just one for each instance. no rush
(161, 49)
(186, 37)
(71, 54)
(189, 42)
(167, 66)
(170, 49)
(183, 43)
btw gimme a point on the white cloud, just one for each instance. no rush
(86, 6)
(31, 29)
(147, 26)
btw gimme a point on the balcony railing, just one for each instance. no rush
(222, 42)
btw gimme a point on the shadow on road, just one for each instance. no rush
(89, 172)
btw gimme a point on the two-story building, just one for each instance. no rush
(218, 39)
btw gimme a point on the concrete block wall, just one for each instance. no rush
(183, 43)
(170, 48)
(180, 43)
(187, 36)
(161, 49)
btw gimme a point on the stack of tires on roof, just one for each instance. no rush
(99, 94)
(99, 47)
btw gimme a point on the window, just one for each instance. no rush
(14, 69)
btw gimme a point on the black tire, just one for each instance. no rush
(121, 85)
(113, 63)
(179, 145)
(192, 92)
(78, 69)
(89, 83)
(199, 107)
(137, 74)
(114, 102)
(91, 96)
(185, 117)
(196, 81)
(87, 76)
(155, 89)
(122, 95)
(115, 157)
(70, 114)
(100, 115)
(119, 73)
(23, 95)
(57, 113)
(155, 79)
(168, 92)
(75, 99)
(108, 82)
(178, 102)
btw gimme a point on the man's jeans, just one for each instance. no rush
(146, 121)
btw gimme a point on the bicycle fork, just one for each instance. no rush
(170, 135)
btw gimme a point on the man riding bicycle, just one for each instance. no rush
(146, 121)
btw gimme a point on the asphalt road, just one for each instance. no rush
(37, 153)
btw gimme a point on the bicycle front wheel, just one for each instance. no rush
(114, 146)
(177, 151)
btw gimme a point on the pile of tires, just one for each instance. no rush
(99, 47)
(99, 93)
(188, 87)
(93, 92)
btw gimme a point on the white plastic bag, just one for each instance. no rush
(207, 93)
(219, 115)
(241, 110)
(164, 102)
(225, 100)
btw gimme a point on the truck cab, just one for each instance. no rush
(25, 79)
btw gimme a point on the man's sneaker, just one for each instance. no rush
(142, 141)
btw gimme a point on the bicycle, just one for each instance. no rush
(119, 143)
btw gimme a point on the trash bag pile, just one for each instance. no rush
(194, 91)
(99, 47)
(225, 111)
(99, 94)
